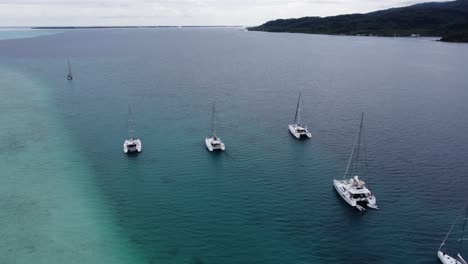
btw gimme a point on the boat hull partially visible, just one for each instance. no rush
(209, 145)
(339, 189)
(342, 187)
(446, 259)
(293, 132)
(292, 129)
(127, 149)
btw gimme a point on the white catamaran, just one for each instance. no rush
(69, 76)
(214, 142)
(297, 129)
(131, 145)
(458, 259)
(353, 190)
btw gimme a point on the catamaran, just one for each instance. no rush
(458, 259)
(353, 190)
(214, 142)
(297, 129)
(69, 76)
(131, 145)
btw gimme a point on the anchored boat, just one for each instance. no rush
(69, 76)
(353, 190)
(297, 129)
(131, 145)
(214, 142)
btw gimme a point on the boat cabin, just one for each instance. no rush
(300, 129)
(216, 143)
(360, 195)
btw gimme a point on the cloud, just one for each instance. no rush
(175, 12)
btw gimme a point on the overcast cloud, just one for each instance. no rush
(176, 12)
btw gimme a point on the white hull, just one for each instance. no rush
(214, 144)
(446, 259)
(132, 146)
(293, 128)
(343, 193)
(343, 186)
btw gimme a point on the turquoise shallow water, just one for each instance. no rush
(268, 198)
(6, 33)
(50, 207)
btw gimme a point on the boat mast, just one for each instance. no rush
(446, 236)
(463, 232)
(129, 122)
(357, 142)
(213, 121)
(350, 158)
(69, 68)
(297, 117)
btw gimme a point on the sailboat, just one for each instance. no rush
(458, 259)
(131, 145)
(214, 142)
(354, 190)
(297, 129)
(69, 76)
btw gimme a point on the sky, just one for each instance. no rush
(176, 12)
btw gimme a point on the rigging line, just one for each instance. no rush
(446, 236)
(130, 122)
(463, 230)
(69, 67)
(364, 148)
(297, 116)
(451, 227)
(213, 121)
(351, 157)
(359, 144)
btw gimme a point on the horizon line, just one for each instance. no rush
(77, 27)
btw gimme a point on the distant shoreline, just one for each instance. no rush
(436, 38)
(349, 35)
(101, 27)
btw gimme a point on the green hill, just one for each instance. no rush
(446, 19)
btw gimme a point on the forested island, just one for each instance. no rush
(448, 20)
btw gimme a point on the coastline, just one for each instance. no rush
(436, 38)
(445, 19)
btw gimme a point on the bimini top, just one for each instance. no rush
(357, 186)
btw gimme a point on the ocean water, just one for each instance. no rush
(70, 192)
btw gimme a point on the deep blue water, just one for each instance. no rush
(269, 198)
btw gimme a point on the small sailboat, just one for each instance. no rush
(69, 76)
(131, 145)
(354, 190)
(297, 129)
(458, 259)
(214, 142)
